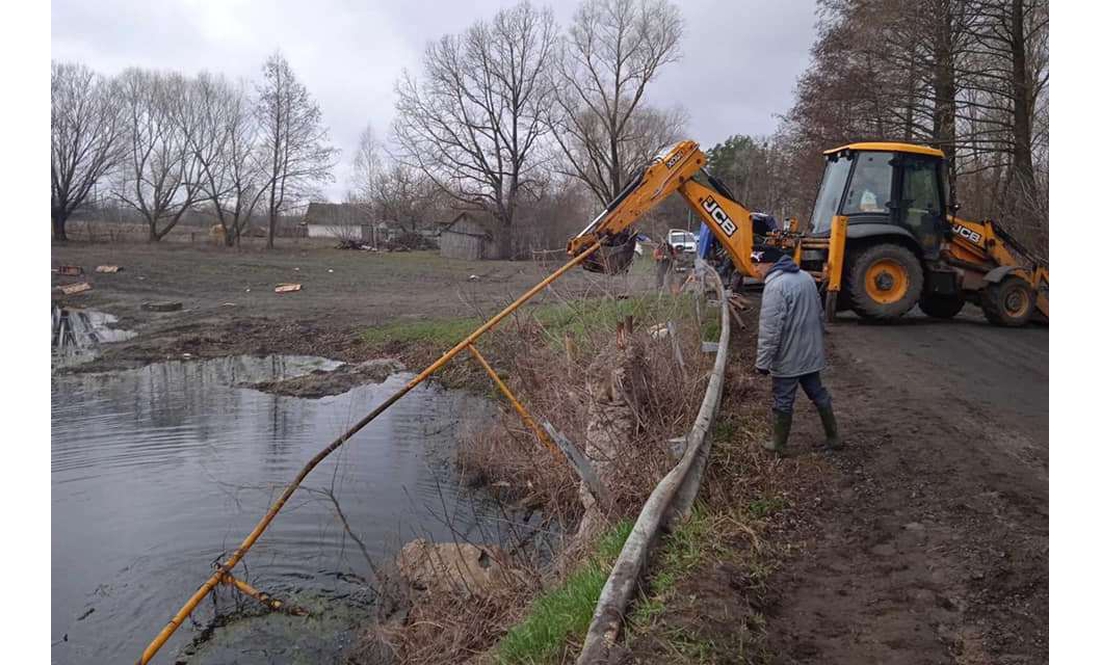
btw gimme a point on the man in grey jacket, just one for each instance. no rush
(791, 348)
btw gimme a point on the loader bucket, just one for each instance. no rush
(615, 256)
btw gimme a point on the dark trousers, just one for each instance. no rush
(662, 270)
(784, 390)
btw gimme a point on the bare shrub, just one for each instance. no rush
(552, 371)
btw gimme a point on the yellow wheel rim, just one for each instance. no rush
(1017, 301)
(886, 281)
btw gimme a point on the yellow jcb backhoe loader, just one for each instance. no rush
(881, 238)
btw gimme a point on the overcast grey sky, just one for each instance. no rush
(740, 59)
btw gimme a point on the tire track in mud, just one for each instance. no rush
(930, 545)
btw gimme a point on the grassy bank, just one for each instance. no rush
(559, 616)
(737, 536)
(578, 319)
(569, 329)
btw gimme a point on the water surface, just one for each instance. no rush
(159, 472)
(77, 335)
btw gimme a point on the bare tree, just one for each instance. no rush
(968, 76)
(366, 167)
(612, 52)
(474, 124)
(391, 191)
(1010, 54)
(85, 138)
(222, 133)
(161, 177)
(407, 197)
(294, 140)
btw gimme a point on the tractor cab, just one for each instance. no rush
(894, 189)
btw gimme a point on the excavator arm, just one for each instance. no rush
(674, 172)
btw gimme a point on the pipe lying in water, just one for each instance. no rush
(262, 525)
(266, 599)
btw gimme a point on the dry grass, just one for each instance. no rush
(536, 615)
(560, 386)
(447, 628)
(556, 358)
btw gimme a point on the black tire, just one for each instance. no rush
(883, 281)
(941, 307)
(1010, 302)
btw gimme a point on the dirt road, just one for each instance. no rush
(930, 542)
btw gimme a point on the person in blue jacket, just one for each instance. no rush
(791, 348)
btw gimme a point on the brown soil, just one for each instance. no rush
(932, 541)
(230, 306)
(925, 540)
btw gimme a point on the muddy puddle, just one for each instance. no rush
(160, 471)
(77, 335)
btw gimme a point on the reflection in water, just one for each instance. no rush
(77, 333)
(158, 472)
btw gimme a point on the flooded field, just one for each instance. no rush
(159, 472)
(77, 334)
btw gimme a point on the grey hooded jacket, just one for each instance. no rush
(791, 341)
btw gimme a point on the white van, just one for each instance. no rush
(682, 241)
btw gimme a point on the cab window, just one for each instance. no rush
(871, 182)
(828, 197)
(920, 192)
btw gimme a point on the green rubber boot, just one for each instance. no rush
(828, 421)
(781, 429)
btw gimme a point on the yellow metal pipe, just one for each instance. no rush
(266, 599)
(188, 607)
(543, 437)
(247, 589)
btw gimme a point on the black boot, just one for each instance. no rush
(781, 429)
(828, 421)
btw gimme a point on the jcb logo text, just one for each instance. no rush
(720, 216)
(969, 234)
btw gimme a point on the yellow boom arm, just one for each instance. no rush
(674, 172)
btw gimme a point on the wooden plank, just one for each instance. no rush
(71, 289)
(580, 464)
(287, 288)
(676, 349)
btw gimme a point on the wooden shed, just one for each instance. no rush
(468, 236)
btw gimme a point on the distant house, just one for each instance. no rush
(468, 236)
(347, 221)
(335, 220)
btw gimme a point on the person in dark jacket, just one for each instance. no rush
(791, 348)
